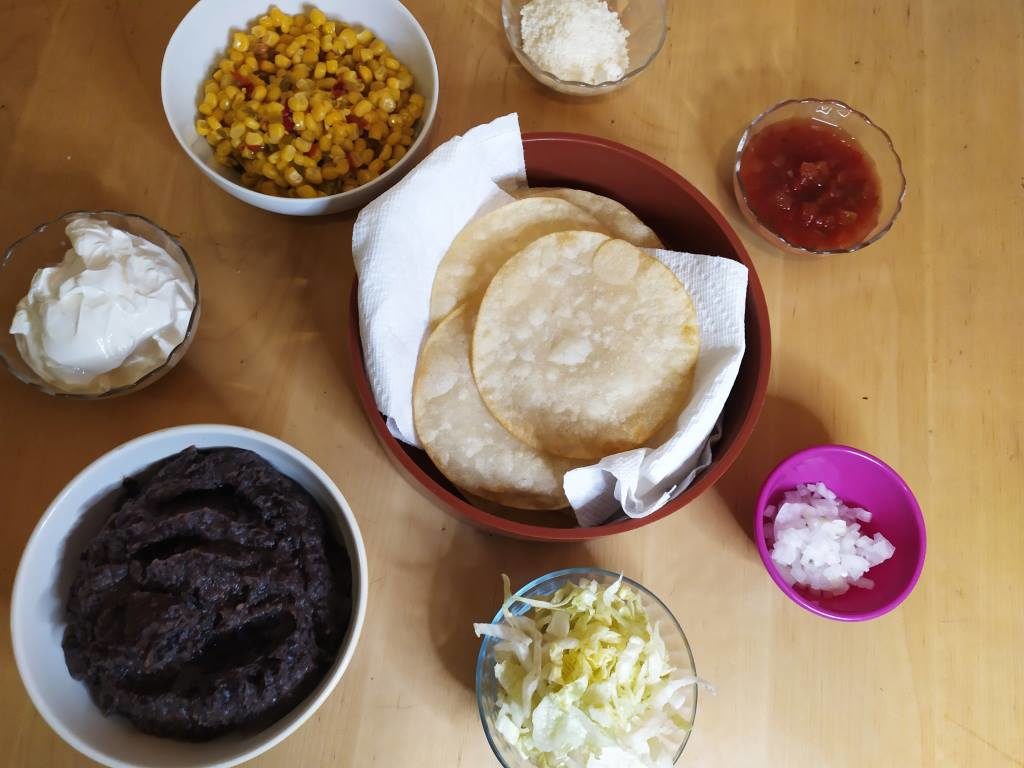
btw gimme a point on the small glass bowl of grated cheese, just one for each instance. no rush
(585, 47)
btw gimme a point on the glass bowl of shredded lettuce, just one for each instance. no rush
(584, 668)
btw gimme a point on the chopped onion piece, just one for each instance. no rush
(817, 541)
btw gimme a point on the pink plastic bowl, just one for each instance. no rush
(859, 479)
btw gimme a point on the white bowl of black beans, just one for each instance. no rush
(249, 508)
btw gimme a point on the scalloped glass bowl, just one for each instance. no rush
(44, 247)
(487, 685)
(645, 20)
(873, 140)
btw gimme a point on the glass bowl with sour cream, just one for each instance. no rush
(585, 47)
(96, 304)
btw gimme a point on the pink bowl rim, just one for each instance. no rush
(794, 595)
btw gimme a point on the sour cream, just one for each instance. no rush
(112, 311)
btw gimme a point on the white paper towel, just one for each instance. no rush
(401, 237)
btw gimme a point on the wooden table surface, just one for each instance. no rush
(910, 350)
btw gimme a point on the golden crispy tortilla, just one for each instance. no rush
(616, 218)
(462, 438)
(486, 243)
(584, 345)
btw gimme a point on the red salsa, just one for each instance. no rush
(811, 184)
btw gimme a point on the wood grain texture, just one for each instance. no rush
(910, 350)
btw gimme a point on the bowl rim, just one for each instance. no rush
(383, 181)
(565, 574)
(752, 128)
(148, 378)
(302, 711)
(796, 596)
(607, 85)
(478, 518)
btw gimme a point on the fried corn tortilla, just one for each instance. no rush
(486, 243)
(616, 218)
(462, 438)
(584, 345)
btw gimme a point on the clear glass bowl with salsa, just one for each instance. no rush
(817, 176)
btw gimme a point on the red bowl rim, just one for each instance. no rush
(793, 594)
(484, 520)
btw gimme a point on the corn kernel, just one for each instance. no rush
(302, 145)
(364, 36)
(375, 166)
(329, 173)
(288, 154)
(399, 152)
(362, 108)
(348, 39)
(331, 66)
(299, 102)
(313, 175)
(377, 47)
(391, 63)
(317, 17)
(267, 187)
(253, 139)
(363, 176)
(282, 62)
(376, 131)
(202, 128)
(305, 191)
(275, 132)
(277, 16)
(299, 121)
(269, 171)
(320, 70)
(319, 111)
(293, 177)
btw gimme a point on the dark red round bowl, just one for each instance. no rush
(685, 221)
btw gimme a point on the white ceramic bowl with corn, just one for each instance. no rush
(361, 167)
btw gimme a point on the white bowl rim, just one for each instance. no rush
(296, 205)
(308, 707)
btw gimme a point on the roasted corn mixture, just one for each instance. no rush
(302, 106)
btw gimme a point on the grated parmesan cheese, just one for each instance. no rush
(580, 40)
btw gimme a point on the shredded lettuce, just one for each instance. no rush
(585, 680)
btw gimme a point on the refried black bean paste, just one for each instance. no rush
(215, 598)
